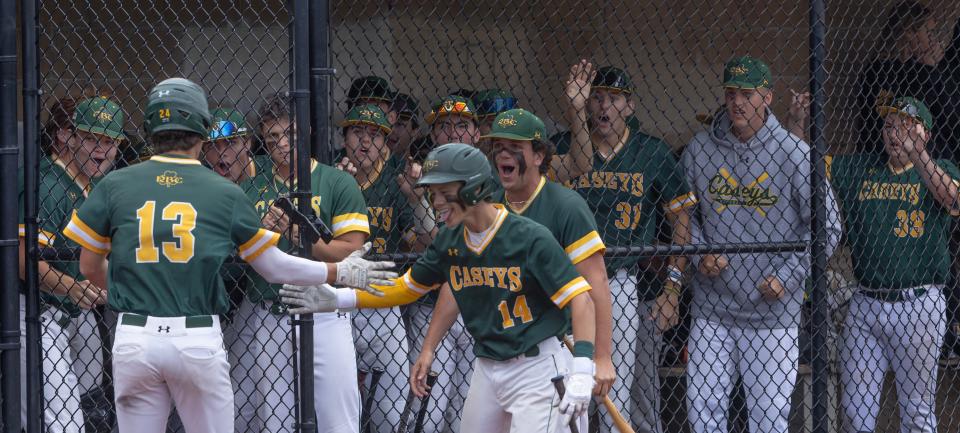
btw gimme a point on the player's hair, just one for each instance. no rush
(548, 149)
(907, 15)
(61, 117)
(275, 108)
(167, 141)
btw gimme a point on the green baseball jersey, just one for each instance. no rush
(168, 223)
(898, 234)
(511, 294)
(625, 189)
(335, 198)
(59, 196)
(565, 214)
(390, 216)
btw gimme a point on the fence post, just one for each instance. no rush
(818, 250)
(320, 73)
(30, 69)
(9, 242)
(306, 422)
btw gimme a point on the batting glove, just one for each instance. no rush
(579, 388)
(309, 299)
(355, 271)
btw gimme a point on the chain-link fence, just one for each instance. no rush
(762, 259)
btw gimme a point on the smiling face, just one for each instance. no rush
(517, 164)
(365, 145)
(92, 154)
(229, 157)
(455, 128)
(609, 110)
(445, 201)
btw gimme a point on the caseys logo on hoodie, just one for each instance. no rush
(727, 191)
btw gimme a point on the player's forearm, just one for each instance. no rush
(941, 185)
(579, 158)
(445, 314)
(393, 296)
(593, 270)
(94, 267)
(278, 267)
(338, 248)
(680, 227)
(584, 318)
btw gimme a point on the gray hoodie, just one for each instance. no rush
(758, 191)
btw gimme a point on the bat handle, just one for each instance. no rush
(425, 402)
(561, 389)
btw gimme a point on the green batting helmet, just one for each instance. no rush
(177, 104)
(458, 162)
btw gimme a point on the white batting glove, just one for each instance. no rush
(579, 388)
(309, 299)
(355, 271)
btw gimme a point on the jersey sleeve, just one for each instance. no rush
(579, 236)
(348, 209)
(954, 173)
(90, 225)
(251, 239)
(674, 190)
(428, 273)
(553, 269)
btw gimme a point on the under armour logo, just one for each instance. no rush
(163, 93)
(163, 329)
(453, 252)
(341, 315)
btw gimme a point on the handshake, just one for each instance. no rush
(353, 271)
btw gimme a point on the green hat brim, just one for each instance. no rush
(347, 123)
(886, 110)
(102, 131)
(507, 136)
(616, 89)
(228, 137)
(740, 85)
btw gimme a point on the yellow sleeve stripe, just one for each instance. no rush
(259, 243)
(75, 219)
(80, 233)
(44, 237)
(585, 247)
(351, 222)
(393, 295)
(682, 202)
(412, 284)
(575, 287)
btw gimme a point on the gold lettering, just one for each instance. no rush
(455, 281)
(501, 277)
(315, 204)
(476, 275)
(513, 274)
(488, 277)
(637, 190)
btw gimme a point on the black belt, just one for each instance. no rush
(894, 295)
(131, 319)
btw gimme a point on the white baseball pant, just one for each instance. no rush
(159, 361)
(381, 342)
(263, 371)
(453, 360)
(516, 395)
(61, 390)
(903, 336)
(766, 360)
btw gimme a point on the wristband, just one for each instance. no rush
(675, 274)
(583, 349)
(346, 299)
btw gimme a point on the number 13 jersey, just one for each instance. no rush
(168, 224)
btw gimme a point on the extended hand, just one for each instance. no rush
(87, 295)
(309, 299)
(355, 271)
(771, 288)
(664, 311)
(713, 264)
(579, 82)
(418, 373)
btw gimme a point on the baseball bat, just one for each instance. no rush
(368, 402)
(424, 402)
(558, 384)
(405, 414)
(618, 420)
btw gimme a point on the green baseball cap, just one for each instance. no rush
(492, 102)
(609, 77)
(228, 123)
(518, 124)
(367, 114)
(452, 104)
(909, 106)
(370, 87)
(99, 116)
(746, 73)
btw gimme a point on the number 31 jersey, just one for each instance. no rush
(168, 224)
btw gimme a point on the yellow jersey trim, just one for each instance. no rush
(478, 249)
(169, 160)
(257, 244)
(902, 170)
(350, 222)
(44, 237)
(79, 179)
(680, 203)
(583, 248)
(575, 287)
(536, 193)
(83, 235)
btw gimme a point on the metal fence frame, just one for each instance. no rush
(312, 98)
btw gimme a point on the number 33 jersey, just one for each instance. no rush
(168, 224)
(511, 287)
(898, 233)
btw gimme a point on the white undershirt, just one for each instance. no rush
(475, 240)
